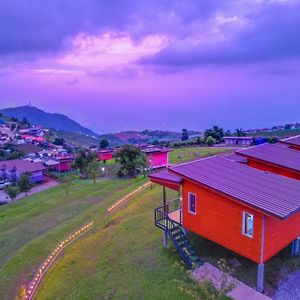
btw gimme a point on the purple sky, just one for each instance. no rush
(156, 64)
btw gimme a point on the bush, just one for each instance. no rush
(210, 141)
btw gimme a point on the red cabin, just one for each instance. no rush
(65, 163)
(276, 158)
(292, 142)
(104, 155)
(249, 211)
(157, 157)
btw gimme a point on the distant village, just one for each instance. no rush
(25, 149)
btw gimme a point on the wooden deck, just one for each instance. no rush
(175, 216)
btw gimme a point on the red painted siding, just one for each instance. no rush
(280, 233)
(158, 159)
(105, 156)
(220, 220)
(274, 169)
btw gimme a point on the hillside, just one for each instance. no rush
(55, 121)
(139, 137)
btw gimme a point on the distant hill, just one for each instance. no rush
(139, 137)
(55, 121)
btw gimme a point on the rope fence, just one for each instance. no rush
(125, 199)
(51, 258)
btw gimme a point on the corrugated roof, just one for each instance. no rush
(295, 140)
(22, 165)
(274, 154)
(270, 193)
(166, 175)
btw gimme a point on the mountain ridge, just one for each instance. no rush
(37, 116)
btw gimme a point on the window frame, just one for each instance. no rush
(245, 213)
(190, 211)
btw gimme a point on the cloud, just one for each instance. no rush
(41, 26)
(188, 33)
(270, 32)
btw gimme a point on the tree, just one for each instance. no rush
(240, 132)
(210, 141)
(215, 132)
(104, 144)
(12, 192)
(93, 169)
(24, 183)
(131, 160)
(66, 183)
(185, 135)
(25, 121)
(82, 161)
(59, 141)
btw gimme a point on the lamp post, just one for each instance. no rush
(103, 171)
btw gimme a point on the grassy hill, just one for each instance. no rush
(124, 260)
(55, 121)
(77, 139)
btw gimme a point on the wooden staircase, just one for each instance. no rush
(178, 237)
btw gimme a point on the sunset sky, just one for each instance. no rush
(157, 64)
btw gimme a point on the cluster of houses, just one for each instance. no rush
(248, 202)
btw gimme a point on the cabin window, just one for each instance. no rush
(192, 203)
(248, 222)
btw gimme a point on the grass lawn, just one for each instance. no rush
(185, 154)
(122, 259)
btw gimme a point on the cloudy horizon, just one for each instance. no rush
(132, 65)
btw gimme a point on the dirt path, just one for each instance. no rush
(241, 291)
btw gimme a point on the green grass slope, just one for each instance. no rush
(123, 259)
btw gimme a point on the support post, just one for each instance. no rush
(293, 249)
(297, 246)
(260, 277)
(165, 238)
(164, 195)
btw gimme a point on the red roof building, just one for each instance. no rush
(276, 158)
(64, 163)
(251, 212)
(292, 142)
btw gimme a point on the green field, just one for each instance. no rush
(278, 133)
(120, 259)
(185, 154)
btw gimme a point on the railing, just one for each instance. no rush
(174, 204)
(162, 213)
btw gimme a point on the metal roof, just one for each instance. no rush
(166, 175)
(295, 140)
(21, 166)
(267, 192)
(275, 154)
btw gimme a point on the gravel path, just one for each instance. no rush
(290, 288)
(36, 189)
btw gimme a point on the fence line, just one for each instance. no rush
(124, 200)
(51, 258)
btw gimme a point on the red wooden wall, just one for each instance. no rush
(220, 220)
(158, 159)
(280, 233)
(274, 169)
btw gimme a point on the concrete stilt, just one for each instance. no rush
(260, 277)
(297, 246)
(165, 238)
